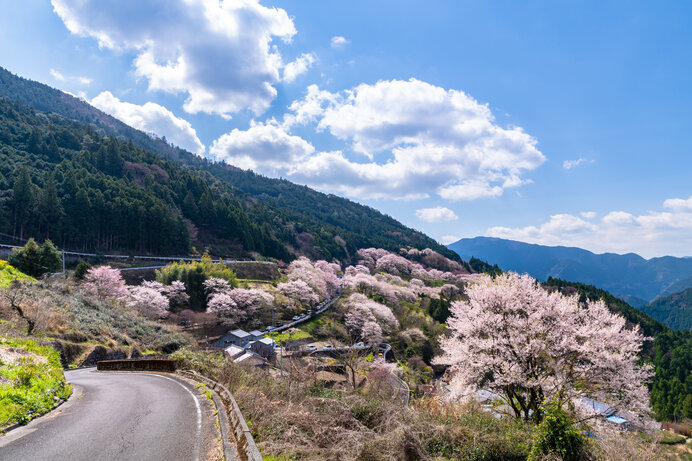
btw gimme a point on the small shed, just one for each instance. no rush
(250, 359)
(234, 351)
(264, 347)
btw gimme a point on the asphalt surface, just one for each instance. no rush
(118, 416)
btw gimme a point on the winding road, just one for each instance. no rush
(119, 416)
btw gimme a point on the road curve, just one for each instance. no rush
(118, 416)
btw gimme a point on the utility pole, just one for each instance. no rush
(63, 264)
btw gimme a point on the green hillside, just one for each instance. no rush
(202, 203)
(674, 310)
(9, 273)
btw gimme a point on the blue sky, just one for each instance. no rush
(548, 122)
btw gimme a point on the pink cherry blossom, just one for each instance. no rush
(529, 345)
(106, 283)
(148, 300)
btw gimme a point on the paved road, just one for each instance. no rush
(118, 416)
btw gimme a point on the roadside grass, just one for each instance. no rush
(31, 380)
(284, 337)
(9, 273)
(301, 417)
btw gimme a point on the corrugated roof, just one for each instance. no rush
(240, 333)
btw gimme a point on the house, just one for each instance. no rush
(234, 351)
(256, 335)
(250, 359)
(235, 337)
(264, 347)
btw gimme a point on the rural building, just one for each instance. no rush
(234, 351)
(235, 337)
(264, 347)
(250, 359)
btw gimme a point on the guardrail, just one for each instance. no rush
(245, 443)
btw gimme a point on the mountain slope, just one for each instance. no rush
(300, 220)
(674, 310)
(622, 275)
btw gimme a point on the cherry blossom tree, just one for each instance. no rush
(367, 319)
(106, 283)
(223, 306)
(149, 300)
(529, 345)
(250, 300)
(299, 292)
(234, 304)
(176, 294)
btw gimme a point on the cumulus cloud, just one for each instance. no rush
(436, 214)
(265, 148)
(655, 233)
(151, 118)
(221, 54)
(298, 67)
(338, 41)
(407, 140)
(588, 214)
(69, 78)
(569, 164)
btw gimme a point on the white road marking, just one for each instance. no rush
(199, 414)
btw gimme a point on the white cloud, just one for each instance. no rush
(265, 148)
(151, 118)
(655, 233)
(588, 214)
(338, 41)
(298, 67)
(75, 79)
(569, 164)
(418, 139)
(436, 214)
(57, 75)
(222, 54)
(447, 239)
(678, 204)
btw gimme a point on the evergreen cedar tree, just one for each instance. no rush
(530, 345)
(35, 260)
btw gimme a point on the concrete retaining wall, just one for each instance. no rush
(137, 365)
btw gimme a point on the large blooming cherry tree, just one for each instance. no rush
(518, 340)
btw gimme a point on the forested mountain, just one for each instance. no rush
(674, 310)
(629, 276)
(92, 182)
(670, 352)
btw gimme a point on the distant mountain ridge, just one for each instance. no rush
(630, 276)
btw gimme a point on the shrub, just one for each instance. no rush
(81, 270)
(557, 435)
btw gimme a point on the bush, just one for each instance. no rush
(557, 435)
(81, 270)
